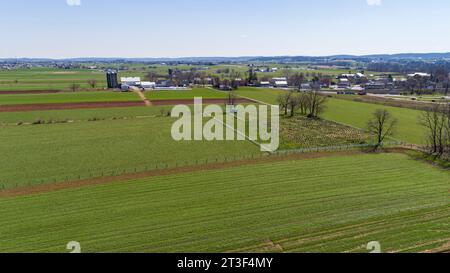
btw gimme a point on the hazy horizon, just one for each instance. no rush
(229, 56)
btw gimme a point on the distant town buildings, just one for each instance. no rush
(344, 83)
(419, 74)
(374, 85)
(305, 87)
(281, 82)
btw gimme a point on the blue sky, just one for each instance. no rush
(176, 28)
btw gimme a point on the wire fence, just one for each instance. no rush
(339, 148)
(142, 168)
(98, 173)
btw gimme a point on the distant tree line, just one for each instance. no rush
(405, 67)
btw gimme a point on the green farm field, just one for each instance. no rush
(357, 114)
(54, 146)
(48, 153)
(47, 79)
(56, 116)
(266, 95)
(424, 98)
(53, 79)
(75, 97)
(353, 113)
(61, 79)
(108, 96)
(205, 93)
(390, 198)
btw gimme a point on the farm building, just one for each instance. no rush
(164, 84)
(346, 76)
(352, 76)
(281, 84)
(203, 81)
(279, 79)
(419, 74)
(356, 78)
(131, 81)
(305, 86)
(148, 85)
(375, 85)
(344, 83)
(264, 84)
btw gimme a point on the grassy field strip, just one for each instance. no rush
(106, 135)
(241, 133)
(136, 231)
(352, 235)
(258, 101)
(204, 93)
(266, 95)
(329, 177)
(45, 85)
(366, 232)
(54, 79)
(355, 114)
(85, 148)
(386, 232)
(169, 214)
(81, 114)
(107, 96)
(77, 97)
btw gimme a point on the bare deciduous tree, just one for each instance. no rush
(283, 101)
(151, 76)
(296, 79)
(234, 84)
(74, 87)
(92, 83)
(382, 125)
(216, 81)
(294, 103)
(303, 104)
(232, 97)
(447, 132)
(310, 104)
(316, 104)
(437, 122)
